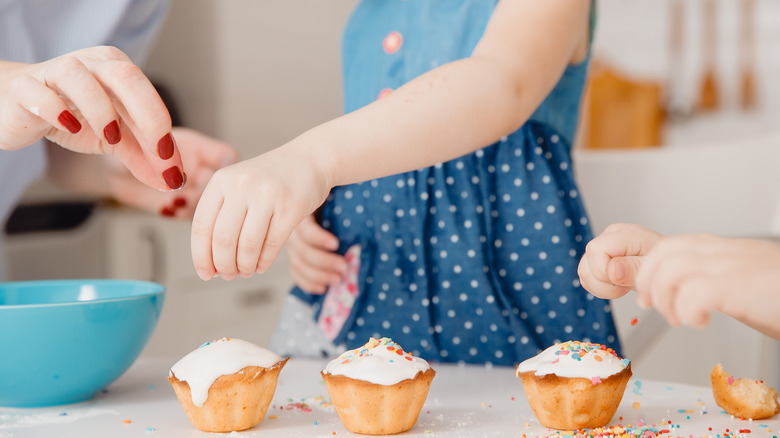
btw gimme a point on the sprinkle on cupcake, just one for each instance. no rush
(368, 350)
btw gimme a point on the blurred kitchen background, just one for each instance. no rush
(681, 133)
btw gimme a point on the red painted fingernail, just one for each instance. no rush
(179, 202)
(165, 211)
(111, 132)
(69, 121)
(173, 178)
(165, 147)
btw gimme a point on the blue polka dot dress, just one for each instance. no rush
(472, 260)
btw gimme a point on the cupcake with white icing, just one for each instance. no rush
(575, 385)
(226, 384)
(378, 389)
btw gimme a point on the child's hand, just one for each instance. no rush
(688, 277)
(313, 263)
(612, 260)
(249, 209)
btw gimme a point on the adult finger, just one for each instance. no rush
(142, 109)
(33, 107)
(70, 77)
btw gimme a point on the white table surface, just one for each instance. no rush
(464, 401)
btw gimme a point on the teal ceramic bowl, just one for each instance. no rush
(63, 341)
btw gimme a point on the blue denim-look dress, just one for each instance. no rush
(475, 259)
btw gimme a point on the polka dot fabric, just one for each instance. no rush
(475, 259)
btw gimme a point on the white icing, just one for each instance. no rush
(377, 362)
(551, 361)
(200, 368)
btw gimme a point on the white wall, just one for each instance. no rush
(253, 73)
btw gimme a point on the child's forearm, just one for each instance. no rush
(457, 108)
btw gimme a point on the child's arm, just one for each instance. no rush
(445, 113)
(687, 277)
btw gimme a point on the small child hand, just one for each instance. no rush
(249, 209)
(612, 260)
(687, 277)
(313, 263)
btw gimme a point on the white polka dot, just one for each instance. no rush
(438, 328)
(530, 166)
(397, 272)
(451, 313)
(534, 300)
(406, 329)
(529, 270)
(463, 297)
(425, 302)
(435, 299)
(580, 312)
(416, 317)
(385, 325)
(534, 196)
(471, 253)
(382, 296)
(546, 285)
(539, 329)
(474, 284)
(537, 226)
(370, 309)
(498, 243)
(457, 269)
(387, 198)
(455, 340)
(473, 351)
(551, 314)
(399, 302)
(524, 241)
(518, 286)
(568, 329)
(445, 284)
(468, 325)
(542, 255)
(360, 321)
(443, 254)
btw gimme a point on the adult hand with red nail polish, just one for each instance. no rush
(93, 101)
(248, 211)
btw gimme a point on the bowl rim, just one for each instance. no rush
(157, 289)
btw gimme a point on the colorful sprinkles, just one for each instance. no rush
(372, 343)
(577, 350)
(214, 342)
